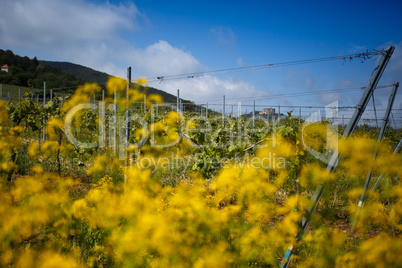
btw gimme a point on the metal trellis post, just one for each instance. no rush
(44, 103)
(380, 137)
(253, 116)
(372, 84)
(206, 112)
(223, 112)
(178, 101)
(398, 147)
(102, 121)
(299, 115)
(115, 124)
(279, 114)
(145, 103)
(127, 132)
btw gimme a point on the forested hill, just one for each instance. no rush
(101, 78)
(59, 76)
(27, 72)
(83, 72)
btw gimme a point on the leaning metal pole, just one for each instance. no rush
(380, 137)
(372, 84)
(398, 147)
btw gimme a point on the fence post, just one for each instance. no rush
(253, 116)
(279, 114)
(299, 114)
(238, 109)
(178, 101)
(239, 138)
(379, 139)
(145, 103)
(44, 120)
(115, 124)
(127, 120)
(206, 113)
(127, 106)
(373, 81)
(103, 143)
(44, 93)
(1, 91)
(223, 112)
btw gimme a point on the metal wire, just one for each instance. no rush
(362, 56)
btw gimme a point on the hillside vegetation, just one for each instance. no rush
(83, 72)
(189, 191)
(62, 77)
(31, 73)
(91, 75)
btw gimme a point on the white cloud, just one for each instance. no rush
(76, 30)
(90, 34)
(240, 61)
(210, 88)
(161, 58)
(395, 63)
(59, 22)
(303, 79)
(224, 36)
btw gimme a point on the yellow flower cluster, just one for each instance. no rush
(243, 216)
(83, 94)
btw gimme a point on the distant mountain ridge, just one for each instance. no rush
(61, 77)
(91, 75)
(29, 73)
(86, 73)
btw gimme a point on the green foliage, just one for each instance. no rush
(30, 73)
(25, 112)
(214, 214)
(76, 70)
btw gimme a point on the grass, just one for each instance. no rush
(14, 91)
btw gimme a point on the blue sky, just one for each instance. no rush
(158, 38)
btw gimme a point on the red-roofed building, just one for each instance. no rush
(4, 68)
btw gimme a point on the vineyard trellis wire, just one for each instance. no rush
(192, 109)
(254, 112)
(333, 163)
